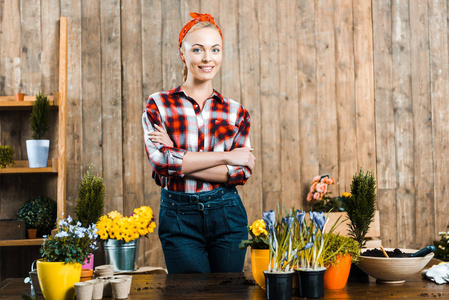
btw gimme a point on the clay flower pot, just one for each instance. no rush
(32, 233)
(86, 274)
(20, 96)
(336, 276)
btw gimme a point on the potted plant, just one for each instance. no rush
(120, 235)
(310, 242)
(319, 192)
(279, 276)
(442, 246)
(63, 255)
(260, 252)
(6, 156)
(90, 205)
(340, 251)
(38, 213)
(37, 149)
(361, 206)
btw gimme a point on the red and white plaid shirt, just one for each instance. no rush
(222, 125)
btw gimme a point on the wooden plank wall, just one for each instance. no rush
(330, 86)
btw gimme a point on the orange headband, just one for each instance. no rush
(196, 19)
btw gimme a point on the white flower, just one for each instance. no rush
(69, 219)
(62, 234)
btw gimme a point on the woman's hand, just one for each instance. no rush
(241, 157)
(161, 136)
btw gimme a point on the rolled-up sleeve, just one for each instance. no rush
(166, 161)
(238, 175)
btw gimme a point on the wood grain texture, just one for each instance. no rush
(439, 89)
(345, 96)
(270, 103)
(364, 85)
(326, 98)
(422, 124)
(403, 120)
(307, 91)
(288, 106)
(111, 105)
(152, 82)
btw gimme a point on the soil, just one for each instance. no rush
(378, 253)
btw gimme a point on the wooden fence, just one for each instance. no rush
(330, 86)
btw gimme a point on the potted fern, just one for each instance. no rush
(90, 205)
(37, 149)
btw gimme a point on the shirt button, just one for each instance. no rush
(201, 150)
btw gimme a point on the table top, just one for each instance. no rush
(242, 286)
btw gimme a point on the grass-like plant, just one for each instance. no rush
(6, 156)
(90, 203)
(361, 206)
(39, 116)
(339, 245)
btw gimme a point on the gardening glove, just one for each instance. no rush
(438, 273)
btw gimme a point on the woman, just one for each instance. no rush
(197, 143)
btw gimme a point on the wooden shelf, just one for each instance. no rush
(21, 167)
(10, 103)
(26, 242)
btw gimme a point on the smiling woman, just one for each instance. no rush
(197, 142)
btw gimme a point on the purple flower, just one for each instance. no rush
(300, 215)
(307, 246)
(269, 218)
(319, 220)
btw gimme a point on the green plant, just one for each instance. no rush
(39, 213)
(71, 243)
(39, 116)
(361, 206)
(259, 236)
(6, 156)
(340, 245)
(442, 246)
(90, 203)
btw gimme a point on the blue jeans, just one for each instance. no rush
(201, 232)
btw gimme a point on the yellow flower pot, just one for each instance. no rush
(57, 279)
(260, 259)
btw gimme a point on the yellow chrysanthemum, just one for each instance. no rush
(115, 215)
(258, 228)
(346, 195)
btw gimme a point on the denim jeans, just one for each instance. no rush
(201, 232)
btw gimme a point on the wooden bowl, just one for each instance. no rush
(393, 270)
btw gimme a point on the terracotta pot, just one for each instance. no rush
(260, 259)
(32, 232)
(336, 276)
(20, 96)
(86, 274)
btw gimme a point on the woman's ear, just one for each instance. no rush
(181, 54)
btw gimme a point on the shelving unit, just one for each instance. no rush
(57, 165)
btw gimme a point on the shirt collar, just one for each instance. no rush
(215, 94)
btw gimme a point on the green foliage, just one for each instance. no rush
(361, 206)
(6, 156)
(335, 204)
(39, 116)
(442, 247)
(39, 213)
(90, 203)
(340, 245)
(72, 243)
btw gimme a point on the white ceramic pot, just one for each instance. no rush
(37, 151)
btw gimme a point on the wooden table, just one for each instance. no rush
(241, 286)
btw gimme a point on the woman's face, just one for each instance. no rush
(202, 53)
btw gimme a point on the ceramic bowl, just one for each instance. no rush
(393, 270)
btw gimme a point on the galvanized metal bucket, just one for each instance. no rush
(123, 256)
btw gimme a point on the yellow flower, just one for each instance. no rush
(115, 215)
(346, 195)
(258, 228)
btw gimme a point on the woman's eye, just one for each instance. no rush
(215, 50)
(196, 50)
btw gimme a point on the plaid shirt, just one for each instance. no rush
(222, 125)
